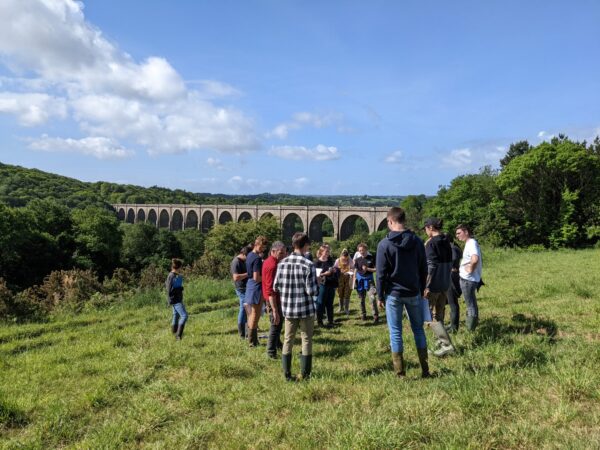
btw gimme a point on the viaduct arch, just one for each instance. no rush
(317, 221)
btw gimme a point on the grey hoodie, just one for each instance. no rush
(401, 265)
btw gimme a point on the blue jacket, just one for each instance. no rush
(401, 265)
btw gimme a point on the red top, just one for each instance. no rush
(269, 269)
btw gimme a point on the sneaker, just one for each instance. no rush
(444, 350)
(363, 317)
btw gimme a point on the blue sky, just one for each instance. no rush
(302, 97)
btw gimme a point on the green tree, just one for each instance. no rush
(140, 245)
(552, 194)
(515, 150)
(474, 200)
(98, 240)
(191, 242)
(413, 206)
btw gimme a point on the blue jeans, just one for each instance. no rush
(242, 319)
(469, 290)
(394, 307)
(179, 314)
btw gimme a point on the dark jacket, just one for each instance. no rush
(438, 252)
(401, 265)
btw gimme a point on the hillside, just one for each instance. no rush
(20, 185)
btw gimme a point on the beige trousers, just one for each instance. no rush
(306, 326)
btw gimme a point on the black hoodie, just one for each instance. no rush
(438, 252)
(401, 265)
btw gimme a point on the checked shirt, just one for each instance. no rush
(296, 281)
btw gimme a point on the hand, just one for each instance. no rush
(276, 317)
(426, 293)
(381, 304)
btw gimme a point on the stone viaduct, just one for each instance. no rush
(291, 218)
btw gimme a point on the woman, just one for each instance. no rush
(327, 284)
(253, 297)
(345, 266)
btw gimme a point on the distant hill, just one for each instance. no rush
(19, 185)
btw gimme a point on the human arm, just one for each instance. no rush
(472, 264)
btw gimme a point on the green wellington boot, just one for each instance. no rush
(398, 361)
(305, 366)
(286, 364)
(422, 352)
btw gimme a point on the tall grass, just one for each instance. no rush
(527, 378)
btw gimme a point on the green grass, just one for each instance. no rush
(527, 378)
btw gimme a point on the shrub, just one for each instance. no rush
(6, 299)
(121, 280)
(152, 277)
(30, 304)
(70, 288)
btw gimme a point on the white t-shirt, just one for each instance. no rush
(471, 248)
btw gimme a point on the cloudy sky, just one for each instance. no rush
(302, 97)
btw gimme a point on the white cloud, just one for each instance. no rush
(459, 158)
(32, 109)
(394, 157)
(109, 93)
(98, 147)
(303, 119)
(253, 184)
(319, 153)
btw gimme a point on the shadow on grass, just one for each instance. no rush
(11, 416)
(337, 347)
(494, 329)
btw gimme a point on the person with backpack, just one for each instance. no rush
(174, 285)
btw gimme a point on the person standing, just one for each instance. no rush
(296, 282)
(174, 285)
(439, 267)
(470, 274)
(254, 296)
(364, 264)
(401, 275)
(269, 270)
(454, 292)
(239, 275)
(328, 281)
(345, 267)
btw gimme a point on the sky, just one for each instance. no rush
(291, 96)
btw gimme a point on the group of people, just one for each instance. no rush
(295, 289)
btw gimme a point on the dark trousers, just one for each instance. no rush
(454, 294)
(325, 303)
(274, 340)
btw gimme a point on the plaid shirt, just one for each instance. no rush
(296, 281)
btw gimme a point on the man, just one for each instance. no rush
(438, 253)
(470, 274)
(365, 285)
(401, 275)
(239, 275)
(296, 282)
(254, 296)
(269, 270)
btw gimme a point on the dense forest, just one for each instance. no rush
(18, 186)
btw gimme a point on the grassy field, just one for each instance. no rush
(527, 378)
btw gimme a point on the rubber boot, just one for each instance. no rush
(471, 322)
(398, 361)
(253, 337)
(242, 330)
(444, 338)
(174, 327)
(305, 366)
(286, 364)
(422, 352)
(179, 333)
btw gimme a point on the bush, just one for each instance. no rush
(30, 304)
(121, 280)
(70, 289)
(152, 277)
(6, 299)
